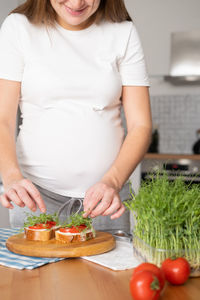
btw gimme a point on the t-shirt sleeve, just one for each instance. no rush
(132, 65)
(11, 57)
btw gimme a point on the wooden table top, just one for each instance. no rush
(78, 279)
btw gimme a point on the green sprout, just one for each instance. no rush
(167, 219)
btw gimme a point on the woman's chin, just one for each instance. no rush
(72, 23)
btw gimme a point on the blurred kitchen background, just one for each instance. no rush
(170, 35)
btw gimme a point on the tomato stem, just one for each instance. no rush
(155, 285)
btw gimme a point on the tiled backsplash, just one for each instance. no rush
(178, 118)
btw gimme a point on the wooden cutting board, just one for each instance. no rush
(103, 242)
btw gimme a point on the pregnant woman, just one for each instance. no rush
(70, 65)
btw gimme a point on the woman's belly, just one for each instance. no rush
(66, 150)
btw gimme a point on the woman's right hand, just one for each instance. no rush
(23, 193)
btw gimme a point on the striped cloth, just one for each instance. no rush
(17, 261)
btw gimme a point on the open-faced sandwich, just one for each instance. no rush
(41, 228)
(79, 229)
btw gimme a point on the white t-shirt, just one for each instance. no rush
(70, 97)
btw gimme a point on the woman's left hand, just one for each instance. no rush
(103, 199)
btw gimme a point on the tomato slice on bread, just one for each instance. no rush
(47, 225)
(37, 226)
(73, 229)
(52, 223)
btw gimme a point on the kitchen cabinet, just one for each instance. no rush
(79, 279)
(155, 21)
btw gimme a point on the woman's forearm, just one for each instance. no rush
(18, 190)
(9, 100)
(9, 167)
(132, 151)
(137, 111)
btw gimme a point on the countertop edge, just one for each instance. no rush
(171, 156)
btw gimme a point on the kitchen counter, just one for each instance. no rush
(76, 279)
(171, 156)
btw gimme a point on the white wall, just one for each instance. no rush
(5, 7)
(155, 20)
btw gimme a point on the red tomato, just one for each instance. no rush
(73, 229)
(49, 224)
(82, 226)
(176, 270)
(37, 226)
(154, 269)
(52, 223)
(144, 285)
(64, 229)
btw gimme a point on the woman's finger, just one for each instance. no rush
(34, 193)
(24, 196)
(86, 202)
(5, 202)
(118, 213)
(12, 196)
(88, 208)
(105, 203)
(116, 204)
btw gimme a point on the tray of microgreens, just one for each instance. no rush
(167, 221)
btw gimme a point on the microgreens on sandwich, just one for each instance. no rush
(31, 220)
(77, 220)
